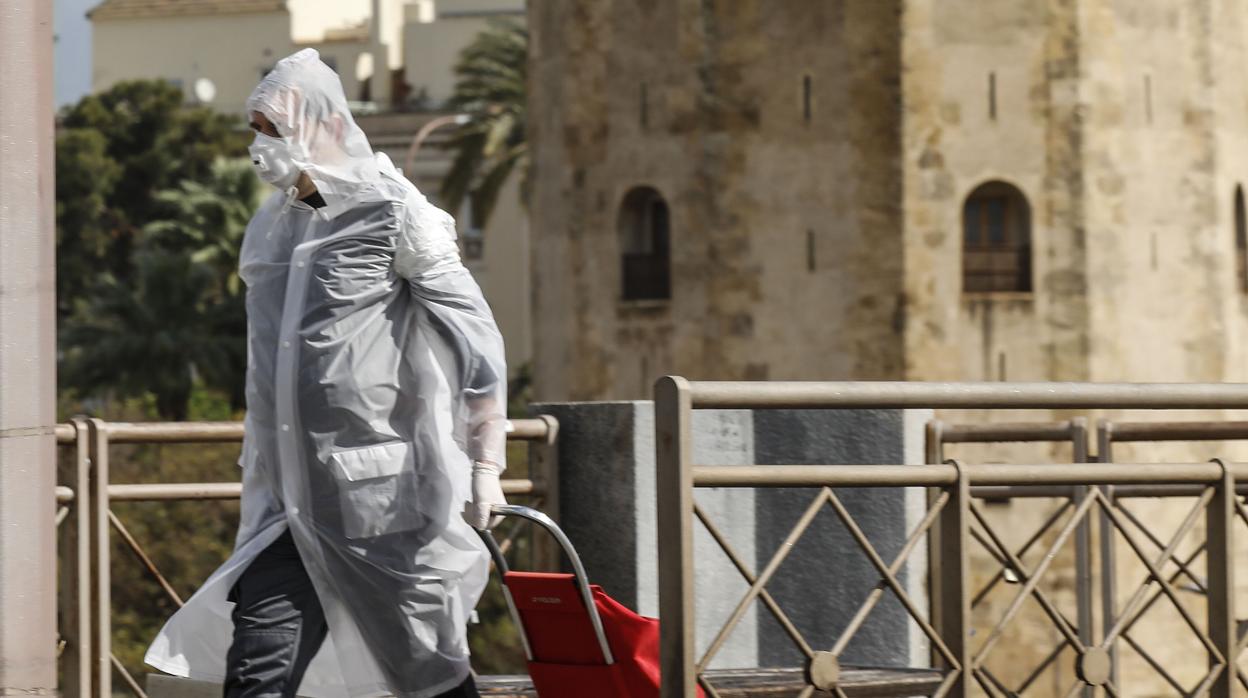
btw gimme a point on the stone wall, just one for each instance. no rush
(1124, 125)
(829, 247)
(786, 256)
(1123, 122)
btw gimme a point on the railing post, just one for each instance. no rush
(75, 575)
(934, 449)
(1109, 556)
(101, 578)
(954, 599)
(1083, 545)
(673, 458)
(1219, 527)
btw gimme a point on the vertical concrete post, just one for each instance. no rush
(27, 352)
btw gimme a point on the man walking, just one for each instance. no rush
(375, 431)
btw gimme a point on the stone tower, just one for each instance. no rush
(892, 189)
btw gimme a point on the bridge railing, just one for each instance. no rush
(1072, 431)
(1094, 583)
(86, 637)
(955, 520)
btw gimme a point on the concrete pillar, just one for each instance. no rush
(607, 506)
(27, 352)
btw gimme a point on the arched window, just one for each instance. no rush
(644, 242)
(1241, 241)
(996, 240)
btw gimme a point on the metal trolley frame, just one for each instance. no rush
(578, 571)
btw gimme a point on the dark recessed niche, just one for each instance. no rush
(992, 96)
(644, 107)
(810, 250)
(645, 234)
(807, 108)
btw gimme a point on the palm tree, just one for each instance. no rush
(179, 320)
(155, 335)
(208, 218)
(490, 88)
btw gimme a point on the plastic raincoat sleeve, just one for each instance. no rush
(428, 257)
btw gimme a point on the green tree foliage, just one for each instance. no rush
(114, 152)
(490, 88)
(208, 217)
(187, 540)
(85, 177)
(150, 220)
(153, 333)
(206, 221)
(157, 141)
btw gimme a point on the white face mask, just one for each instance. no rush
(271, 158)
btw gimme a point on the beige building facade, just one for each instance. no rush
(817, 160)
(386, 51)
(434, 35)
(230, 44)
(1024, 190)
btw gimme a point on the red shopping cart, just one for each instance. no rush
(579, 641)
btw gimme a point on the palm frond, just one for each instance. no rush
(491, 76)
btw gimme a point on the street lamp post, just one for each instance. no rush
(419, 139)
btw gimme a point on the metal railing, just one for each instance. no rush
(1107, 434)
(954, 521)
(85, 578)
(1073, 432)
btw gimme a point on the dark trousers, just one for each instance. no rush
(279, 626)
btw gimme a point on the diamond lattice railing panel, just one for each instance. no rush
(1154, 599)
(887, 590)
(1029, 624)
(1027, 584)
(1034, 615)
(1030, 578)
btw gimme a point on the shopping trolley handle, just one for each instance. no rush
(542, 520)
(582, 579)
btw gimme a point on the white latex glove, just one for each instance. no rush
(486, 492)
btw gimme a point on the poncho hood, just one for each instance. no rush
(304, 99)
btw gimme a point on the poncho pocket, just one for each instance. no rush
(377, 489)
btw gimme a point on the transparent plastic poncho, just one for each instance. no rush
(375, 377)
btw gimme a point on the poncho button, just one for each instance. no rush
(285, 427)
